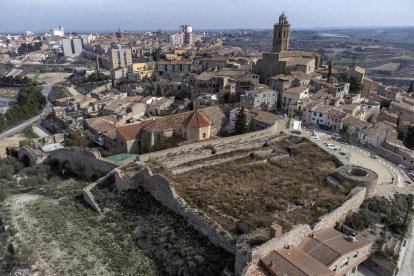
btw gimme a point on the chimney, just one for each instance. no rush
(276, 230)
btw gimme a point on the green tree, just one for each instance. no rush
(240, 124)
(149, 90)
(356, 85)
(76, 140)
(156, 56)
(158, 91)
(409, 138)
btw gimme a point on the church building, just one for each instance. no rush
(282, 60)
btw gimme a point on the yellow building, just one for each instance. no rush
(140, 71)
(171, 57)
(120, 58)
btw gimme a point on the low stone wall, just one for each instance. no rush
(84, 162)
(221, 145)
(352, 203)
(207, 164)
(247, 260)
(357, 175)
(162, 190)
(87, 192)
(31, 157)
(387, 154)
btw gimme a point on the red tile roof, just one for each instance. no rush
(293, 261)
(132, 131)
(196, 120)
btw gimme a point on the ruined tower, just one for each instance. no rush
(281, 35)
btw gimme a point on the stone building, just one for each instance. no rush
(259, 99)
(282, 60)
(176, 129)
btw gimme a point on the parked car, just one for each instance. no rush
(325, 127)
(411, 175)
(402, 166)
(336, 136)
(332, 146)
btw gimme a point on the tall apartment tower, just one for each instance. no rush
(187, 32)
(281, 35)
(72, 47)
(120, 58)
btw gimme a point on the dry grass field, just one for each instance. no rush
(290, 191)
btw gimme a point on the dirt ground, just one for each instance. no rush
(50, 78)
(289, 191)
(10, 142)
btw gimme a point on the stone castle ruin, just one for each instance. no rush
(160, 173)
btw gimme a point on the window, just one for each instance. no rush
(204, 135)
(355, 255)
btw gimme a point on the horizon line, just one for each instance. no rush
(216, 29)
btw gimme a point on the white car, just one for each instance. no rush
(336, 136)
(332, 146)
(411, 175)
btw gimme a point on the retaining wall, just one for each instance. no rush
(352, 203)
(84, 162)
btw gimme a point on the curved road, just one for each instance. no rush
(47, 109)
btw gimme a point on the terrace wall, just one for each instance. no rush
(221, 145)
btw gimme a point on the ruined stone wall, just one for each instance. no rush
(31, 156)
(352, 203)
(163, 190)
(87, 192)
(84, 162)
(221, 145)
(246, 260)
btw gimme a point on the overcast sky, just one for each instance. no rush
(104, 15)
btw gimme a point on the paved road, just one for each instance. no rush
(72, 90)
(48, 108)
(408, 261)
(17, 67)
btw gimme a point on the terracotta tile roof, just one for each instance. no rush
(214, 114)
(132, 131)
(265, 117)
(103, 126)
(178, 62)
(354, 121)
(196, 120)
(327, 245)
(296, 90)
(295, 262)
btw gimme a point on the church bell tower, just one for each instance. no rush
(281, 35)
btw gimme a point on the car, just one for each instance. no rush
(402, 166)
(336, 136)
(317, 138)
(411, 175)
(325, 127)
(332, 146)
(411, 171)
